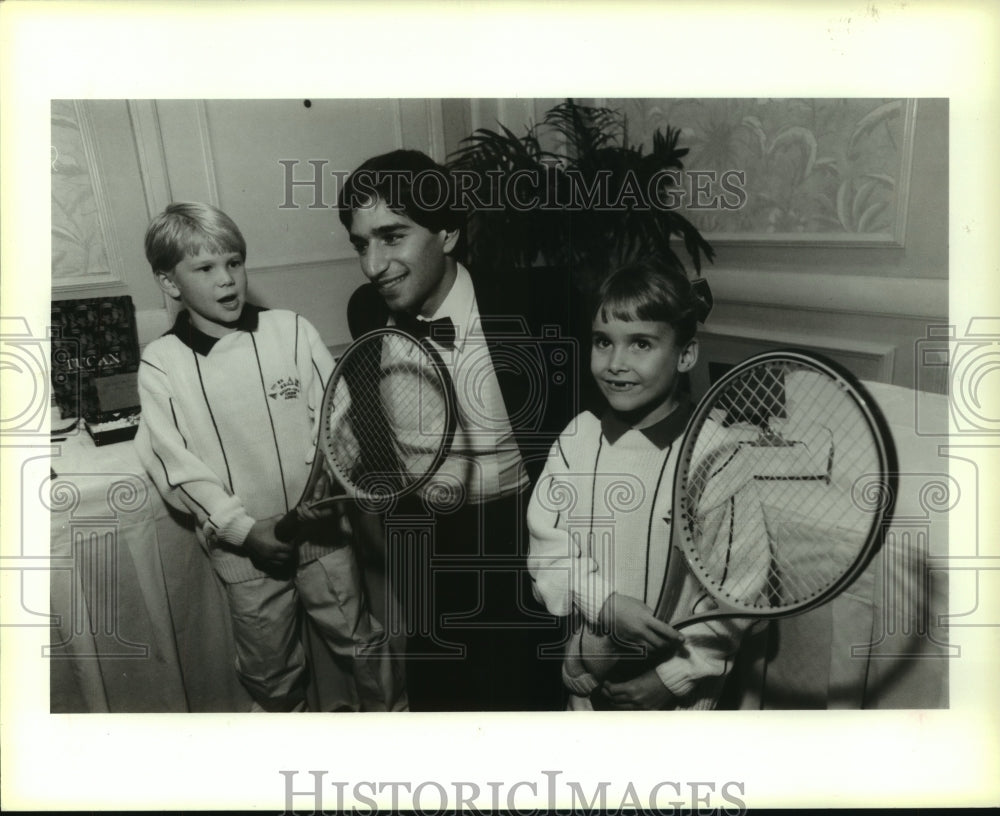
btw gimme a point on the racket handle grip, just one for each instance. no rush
(287, 526)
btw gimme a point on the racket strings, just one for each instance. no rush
(774, 516)
(388, 419)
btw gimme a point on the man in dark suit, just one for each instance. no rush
(476, 638)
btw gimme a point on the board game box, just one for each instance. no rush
(95, 357)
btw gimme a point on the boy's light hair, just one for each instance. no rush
(187, 228)
(647, 290)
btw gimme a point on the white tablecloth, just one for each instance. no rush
(142, 623)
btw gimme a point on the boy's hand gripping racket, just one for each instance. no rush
(783, 491)
(386, 423)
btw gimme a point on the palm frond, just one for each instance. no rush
(592, 151)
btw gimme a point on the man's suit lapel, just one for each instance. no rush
(366, 311)
(507, 350)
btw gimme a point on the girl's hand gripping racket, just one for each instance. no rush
(783, 491)
(386, 424)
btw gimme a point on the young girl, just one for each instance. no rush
(600, 515)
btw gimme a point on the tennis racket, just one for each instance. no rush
(386, 424)
(784, 488)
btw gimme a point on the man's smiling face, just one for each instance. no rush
(407, 263)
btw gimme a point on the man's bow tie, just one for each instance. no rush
(441, 331)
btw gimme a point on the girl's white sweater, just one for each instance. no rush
(600, 520)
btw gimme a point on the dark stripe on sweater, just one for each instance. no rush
(177, 486)
(218, 435)
(729, 545)
(723, 466)
(593, 495)
(649, 529)
(270, 419)
(208, 518)
(166, 474)
(562, 455)
(312, 357)
(295, 353)
(558, 447)
(177, 425)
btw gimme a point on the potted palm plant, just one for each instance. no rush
(552, 212)
(590, 204)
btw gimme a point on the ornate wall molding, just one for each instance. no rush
(85, 253)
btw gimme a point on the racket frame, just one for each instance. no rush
(287, 526)
(679, 562)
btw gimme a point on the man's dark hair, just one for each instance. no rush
(409, 182)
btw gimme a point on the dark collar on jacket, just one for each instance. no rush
(202, 343)
(366, 310)
(661, 434)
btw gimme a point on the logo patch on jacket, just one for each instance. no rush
(286, 388)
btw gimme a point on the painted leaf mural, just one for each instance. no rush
(815, 169)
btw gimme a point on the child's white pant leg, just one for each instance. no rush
(577, 703)
(332, 595)
(270, 659)
(577, 680)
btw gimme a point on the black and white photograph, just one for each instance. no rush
(483, 440)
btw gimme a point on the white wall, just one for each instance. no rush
(229, 153)
(865, 306)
